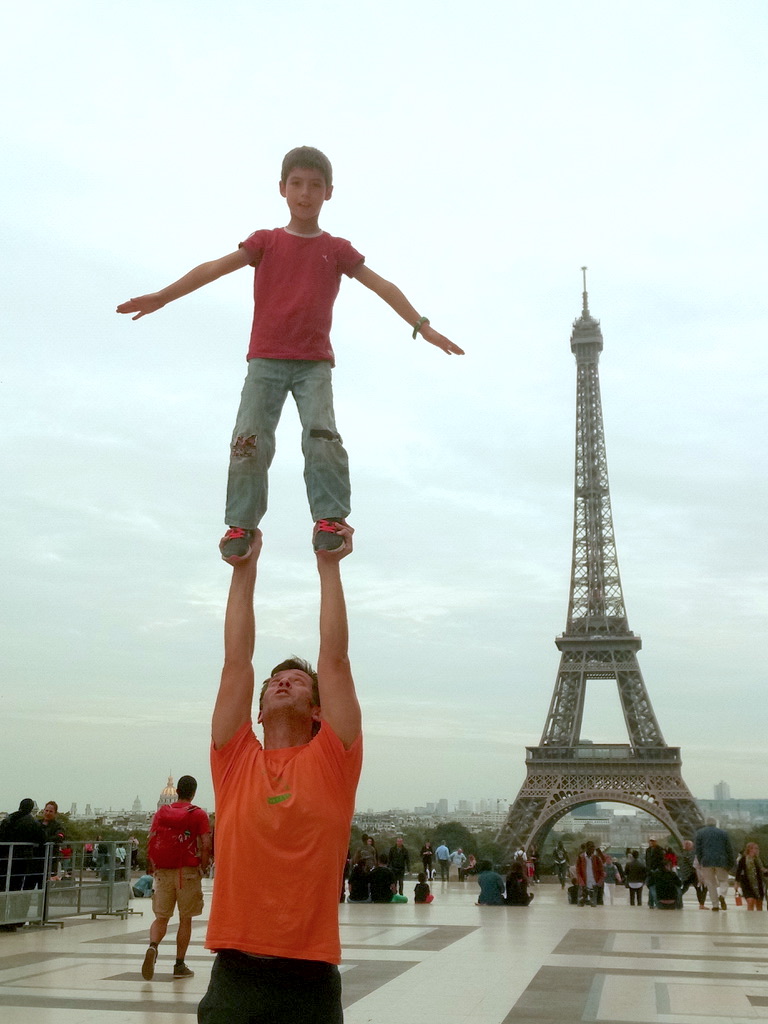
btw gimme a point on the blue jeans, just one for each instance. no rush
(326, 468)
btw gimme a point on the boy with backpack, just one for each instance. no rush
(178, 852)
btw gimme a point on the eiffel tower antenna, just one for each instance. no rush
(566, 771)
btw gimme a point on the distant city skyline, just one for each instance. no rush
(441, 807)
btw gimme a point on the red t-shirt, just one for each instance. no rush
(295, 285)
(282, 834)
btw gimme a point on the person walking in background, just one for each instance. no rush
(686, 867)
(561, 864)
(750, 877)
(178, 852)
(714, 853)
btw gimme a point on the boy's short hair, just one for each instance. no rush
(307, 157)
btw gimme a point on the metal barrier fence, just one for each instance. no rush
(93, 879)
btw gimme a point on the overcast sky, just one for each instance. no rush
(482, 153)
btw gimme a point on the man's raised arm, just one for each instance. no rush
(233, 704)
(340, 708)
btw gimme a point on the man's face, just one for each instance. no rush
(305, 191)
(590, 848)
(292, 689)
(49, 812)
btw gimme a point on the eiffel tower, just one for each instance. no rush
(564, 771)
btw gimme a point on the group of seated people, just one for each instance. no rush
(379, 884)
(495, 891)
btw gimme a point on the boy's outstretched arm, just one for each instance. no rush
(195, 279)
(338, 701)
(395, 298)
(235, 698)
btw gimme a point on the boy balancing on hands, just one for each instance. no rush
(297, 276)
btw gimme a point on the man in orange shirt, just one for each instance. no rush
(274, 917)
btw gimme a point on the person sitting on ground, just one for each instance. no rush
(421, 891)
(143, 886)
(382, 882)
(517, 888)
(359, 888)
(491, 886)
(667, 884)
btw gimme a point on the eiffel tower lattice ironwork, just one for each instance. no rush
(564, 772)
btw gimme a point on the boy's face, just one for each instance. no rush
(305, 191)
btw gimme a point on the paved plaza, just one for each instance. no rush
(446, 963)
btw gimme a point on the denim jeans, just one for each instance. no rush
(326, 468)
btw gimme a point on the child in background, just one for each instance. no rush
(421, 892)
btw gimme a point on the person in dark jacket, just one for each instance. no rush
(654, 861)
(399, 862)
(749, 877)
(666, 883)
(27, 859)
(54, 832)
(517, 888)
(715, 856)
(635, 873)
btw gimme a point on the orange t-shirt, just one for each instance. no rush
(282, 834)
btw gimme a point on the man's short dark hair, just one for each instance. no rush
(307, 158)
(186, 787)
(302, 666)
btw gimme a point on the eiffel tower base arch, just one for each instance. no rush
(560, 779)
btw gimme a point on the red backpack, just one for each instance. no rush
(171, 841)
